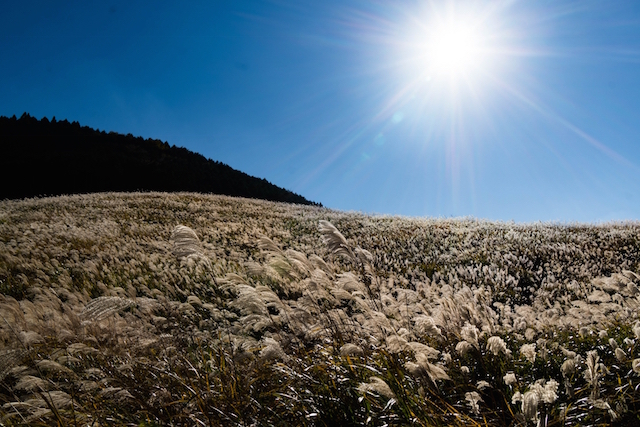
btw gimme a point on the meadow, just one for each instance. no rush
(154, 309)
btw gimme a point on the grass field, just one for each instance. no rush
(185, 309)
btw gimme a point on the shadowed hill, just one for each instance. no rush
(42, 157)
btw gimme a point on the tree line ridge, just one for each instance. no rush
(50, 157)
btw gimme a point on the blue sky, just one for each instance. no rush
(347, 103)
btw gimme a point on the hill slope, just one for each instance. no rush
(184, 309)
(42, 157)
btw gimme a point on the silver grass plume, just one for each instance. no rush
(282, 266)
(299, 261)
(496, 345)
(8, 359)
(351, 350)
(567, 369)
(636, 330)
(349, 282)
(268, 245)
(58, 399)
(530, 402)
(376, 385)
(186, 245)
(428, 351)
(469, 333)
(50, 366)
(364, 255)
(116, 393)
(473, 399)
(101, 307)
(528, 351)
(28, 338)
(463, 348)
(319, 263)
(593, 372)
(510, 378)
(423, 367)
(541, 391)
(31, 383)
(185, 242)
(396, 344)
(338, 245)
(334, 240)
(81, 348)
(231, 280)
(55, 398)
(255, 269)
(482, 385)
(366, 259)
(271, 350)
(426, 325)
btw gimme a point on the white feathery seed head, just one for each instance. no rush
(419, 348)
(271, 350)
(435, 372)
(351, 350)
(463, 348)
(473, 399)
(268, 245)
(482, 384)
(517, 397)
(592, 371)
(550, 391)
(185, 242)
(377, 385)
(29, 338)
(31, 383)
(363, 255)
(496, 345)
(528, 351)
(9, 358)
(334, 240)
(101, 307)
(427, 325)
(530, 401)
(469, 333)
(53, 367)
(510, 379)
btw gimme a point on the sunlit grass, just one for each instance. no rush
(156, 309)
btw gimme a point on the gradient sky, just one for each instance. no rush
(338, 101)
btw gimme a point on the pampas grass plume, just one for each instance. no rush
(376, 385)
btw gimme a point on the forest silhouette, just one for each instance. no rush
(49, 157)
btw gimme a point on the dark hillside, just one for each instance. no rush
(42, 157)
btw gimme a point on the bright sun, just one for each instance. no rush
(452, 44)
(453, 49)
(447, 52)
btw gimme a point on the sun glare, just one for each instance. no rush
(442, 61)
(452, 49)
(456, 45)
